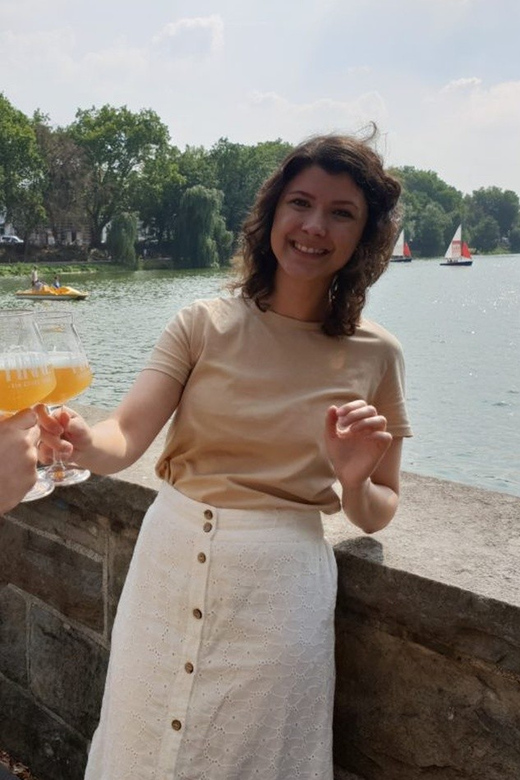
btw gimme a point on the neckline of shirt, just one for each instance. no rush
(280, 320)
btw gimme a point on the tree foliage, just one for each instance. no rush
(116, 143)
(432, 210)
(121, 238)
(66, 177)
(21, 169)
(240, 171)
(201, 237)
(155, 193)
(191, 204)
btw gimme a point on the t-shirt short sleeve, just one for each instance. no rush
(389, 399)
(173, 353)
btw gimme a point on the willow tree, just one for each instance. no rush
(121, 238)
(201, 237)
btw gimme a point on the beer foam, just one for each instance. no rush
(21, 361)
(67, 360)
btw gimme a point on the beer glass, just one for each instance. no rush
(73, 375)
(25, 375)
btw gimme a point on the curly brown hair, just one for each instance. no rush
(256, 263)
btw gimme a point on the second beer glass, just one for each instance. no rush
(73, 375)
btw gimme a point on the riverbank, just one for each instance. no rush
(45, 266)
(86, 267)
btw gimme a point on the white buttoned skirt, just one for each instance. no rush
(222, 659)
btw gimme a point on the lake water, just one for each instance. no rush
(459, 327)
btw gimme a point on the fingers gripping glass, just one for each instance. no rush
(26, 376)
(73, 375)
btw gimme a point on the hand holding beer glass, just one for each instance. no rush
(25, 375)
(73, 375)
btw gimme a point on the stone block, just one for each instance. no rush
(72, 688)
(56, 515)
(62, 577)
(405, 712)
(13, 635)
(52, 749)
(123, 503)
(445, 618)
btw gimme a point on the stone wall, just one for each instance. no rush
(427, 622)
(63, 561)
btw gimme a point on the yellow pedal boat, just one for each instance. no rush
(48, 293)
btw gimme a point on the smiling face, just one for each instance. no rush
(318, 223)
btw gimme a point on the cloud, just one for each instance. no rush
(358, 70)
(324, 112)
(468, 134)
(195, 37)
(472, 104)
(29, 50)
(461, 84)
(274, 116)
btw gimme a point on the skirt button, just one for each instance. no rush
(176, 725)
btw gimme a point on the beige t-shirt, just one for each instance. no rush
(249, 430)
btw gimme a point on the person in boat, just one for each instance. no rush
(222, 658)
(56, 282)
(19, 435)
(36, 283)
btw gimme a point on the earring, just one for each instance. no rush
(333, 290)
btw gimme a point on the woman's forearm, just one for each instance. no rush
(109, 450)
(369, 506)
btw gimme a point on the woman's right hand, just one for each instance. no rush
(64, 434)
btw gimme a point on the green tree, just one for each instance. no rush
(428, 187)
(197, 167)
(21, 170)
(431, 225)
(116, 143)
(121, 238)
(502, 205)
(485, 235)
(240, 171)
(201, 236)
(422, 189)
(65, 178)
(514, 240)
(156, 193)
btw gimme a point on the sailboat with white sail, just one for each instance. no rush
(457, 252)
(401, 252)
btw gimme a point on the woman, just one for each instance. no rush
(222, 650)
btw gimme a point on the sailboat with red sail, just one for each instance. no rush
(401, 252)
(457, 252)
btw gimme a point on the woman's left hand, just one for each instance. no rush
(356, 439)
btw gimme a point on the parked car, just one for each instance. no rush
(10, 240)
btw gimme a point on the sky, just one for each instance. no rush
(441, 78)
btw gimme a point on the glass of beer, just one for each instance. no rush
(26, 376)
(72, 372)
